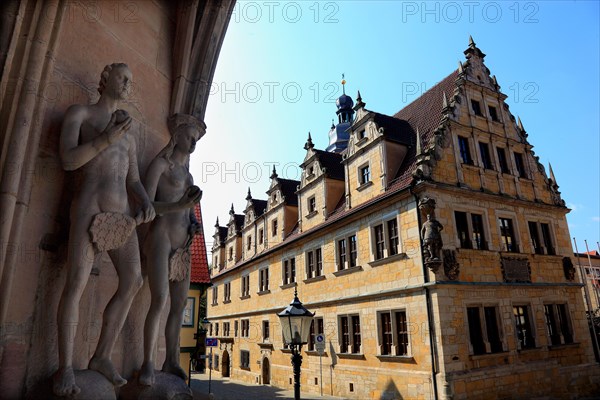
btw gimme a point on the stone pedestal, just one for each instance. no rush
(94, 386)
(166, 387)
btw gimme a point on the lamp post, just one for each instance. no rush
(295, 324)
(205, 324)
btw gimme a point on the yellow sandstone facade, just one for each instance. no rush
(494, 311)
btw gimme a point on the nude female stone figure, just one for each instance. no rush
(169, 183)
(95, 145)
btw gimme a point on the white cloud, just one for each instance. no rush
(596, 219)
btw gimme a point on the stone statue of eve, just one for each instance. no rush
(96, 146)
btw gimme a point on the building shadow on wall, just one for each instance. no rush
(390, 392)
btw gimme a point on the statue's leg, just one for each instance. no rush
(127, 263)
(157, 261)
(80, 260)
(179, 292)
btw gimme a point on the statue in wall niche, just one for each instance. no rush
(432, 239)
(96, 146)
(166, 247)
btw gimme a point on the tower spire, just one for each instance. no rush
(343, 84)
(249, 196)
(232, 211)
(274, 173)
(309, 143)
(552, 177)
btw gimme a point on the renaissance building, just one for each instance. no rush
(432, 246)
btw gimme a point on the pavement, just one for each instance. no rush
(230, 389)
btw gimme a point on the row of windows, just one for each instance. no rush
(486, 158)
(385, 242)
(470, 229)
(486, 334)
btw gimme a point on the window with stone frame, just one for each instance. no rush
(249, 243)
(520, 165)
(316, 328)
(385, 239)
(235, 328)
(227, 292)
(476, 106)
(393, 333)
(288, 271)
(364, 175)
(217, 329)
(541, 238)
(524, 327)
(266, 331)
(312, 204)
(314, 263)
(502, 160)
(485, 335)
(245, 328)
(486, 159)
(215, 295)
(244, 359)
(231, 253)
(263, 279)
(558, 324)
(465, 151)
(261, 236)
(470, 230)
(507, 235)
(274, 228)
(245, 285)
(349, 334)
(226, 329)
(493, 113)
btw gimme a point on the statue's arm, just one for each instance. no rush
(191, 195)
(146, 213)
(74, 155)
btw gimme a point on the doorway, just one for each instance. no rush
(266, 372)
(225, 365)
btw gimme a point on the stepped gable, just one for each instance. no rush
(199, 272)
(332, 162)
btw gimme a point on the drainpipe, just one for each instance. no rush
(430, 321)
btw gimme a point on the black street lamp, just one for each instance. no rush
(295, 324)
(205, 324)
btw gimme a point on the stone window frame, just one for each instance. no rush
(523, 173)
(245, 359)
(274, 227)
(359, 173)
(266, 331)
(485, 145)
(312, 253)
(310, 346)
(215, 295)
(479, 102)
(261, 236)
(501, 167)
(468, 149)
(496, 117)
(351, 334)
(567, 337)
(483, 325)
(288, 268)
(486, 228)
(226, 329)
(346, 237)
(383, 220)
(516, 231)
(541, 237)
(530, 322)
(379, 327)
(311, 206)
(227, 292)
(245, 286)
(249, 242)
(245, 327)
(263, 280)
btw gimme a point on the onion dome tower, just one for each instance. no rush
(340, 133)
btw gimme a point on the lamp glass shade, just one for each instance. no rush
(295, 323)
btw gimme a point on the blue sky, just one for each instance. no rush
(280, 67)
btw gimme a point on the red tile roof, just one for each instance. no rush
(199, 259)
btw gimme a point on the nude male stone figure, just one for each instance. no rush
(94, 143)
(166, 247)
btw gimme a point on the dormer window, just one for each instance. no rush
(249, 243)
(362, 134)
(274, 228)
(311, 170)
(364, 175)
(274, 197)
(260, 236)
(231, 253)
(312, 204)
(476, 108)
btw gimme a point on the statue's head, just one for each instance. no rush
(115, 81)
(185, 130)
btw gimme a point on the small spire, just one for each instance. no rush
(460, 68)
(232, 211)
(309, 143)
(358, 97)
(343, 85)
(473, 50)
(495, 81)
(471, 42)
(419, 149)
(332, 124)
(249, 196)
(274, 173)
(444, 101)
(520, 124)
(217, 223)
(552, 177)
(359, 102)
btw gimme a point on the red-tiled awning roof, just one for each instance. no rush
(199, 259)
